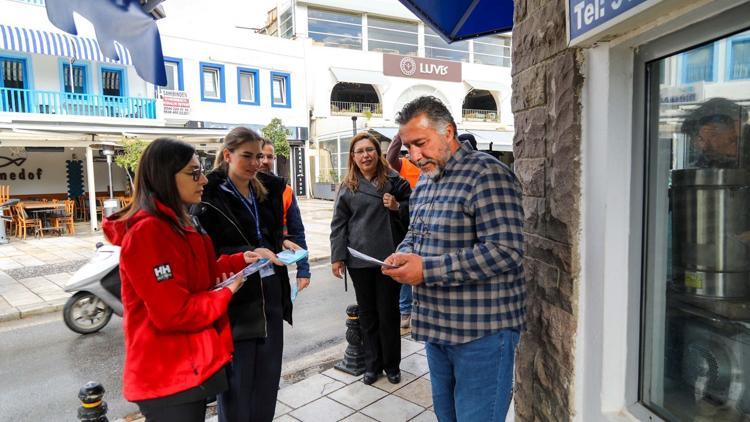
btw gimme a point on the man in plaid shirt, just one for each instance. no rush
(463, 253)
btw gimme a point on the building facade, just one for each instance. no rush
(632, 146)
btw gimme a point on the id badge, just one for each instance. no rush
(267, 271)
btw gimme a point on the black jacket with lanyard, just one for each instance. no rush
(231, 222)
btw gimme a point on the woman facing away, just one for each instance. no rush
(177, 334)
(242, 209)
(371, 215)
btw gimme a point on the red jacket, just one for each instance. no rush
(177, 332)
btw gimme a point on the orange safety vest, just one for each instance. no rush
(410, 172)
(287, 200)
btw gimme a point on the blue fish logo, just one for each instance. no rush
(6, 161)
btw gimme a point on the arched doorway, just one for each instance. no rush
(355, 99)
(480, 106)
(417, 91)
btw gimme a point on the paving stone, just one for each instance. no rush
(392, 409)
(419, 391)
(426, 416)
(9, 313)
(341, 376)
(9, 264)
(39, 308)
(305, 391)
(281, 409)
(358, 417)
(416, 364)
(322, 410)
(357, 395)
(19, 295)
(409, 347)
(383, 384)
(285, 418)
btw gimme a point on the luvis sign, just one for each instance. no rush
(420, 68)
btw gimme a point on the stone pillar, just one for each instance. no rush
(546, 104)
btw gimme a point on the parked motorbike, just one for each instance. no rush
(97, 287)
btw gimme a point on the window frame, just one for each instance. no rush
(86, 76)
(26, 60)
(741, 37)
(222, 83)
(714, 65)
(287, 90)
(256, 85)
(123, 78)
(180, 77)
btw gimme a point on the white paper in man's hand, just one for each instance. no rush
(357, 254)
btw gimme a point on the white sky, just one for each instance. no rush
(249, 13)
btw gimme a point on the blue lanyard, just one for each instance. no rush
(247, 203)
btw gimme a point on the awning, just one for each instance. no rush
(35, 41)
(488, 85)
(462, 19)
(358, 76)
(385, 132)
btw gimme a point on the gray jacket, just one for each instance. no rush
(362, 222)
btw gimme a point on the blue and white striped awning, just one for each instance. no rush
(57, 44)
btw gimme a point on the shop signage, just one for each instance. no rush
(298, 155)
(175, 102)
(681, 94)
(420, 68)
(587, 16)
(22, 174)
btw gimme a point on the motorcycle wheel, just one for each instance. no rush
(85, 313)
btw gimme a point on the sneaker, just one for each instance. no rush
(405, 320)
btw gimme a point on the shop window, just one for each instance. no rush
(174, 74)
(76, 73)
(248, 86)
(335, 29)
(280, 90)
(392, 36)
(739, 57)
(492, 50)
(699, 64)
(112, 82)
(695, 356)
(436, 48)
(212, 82)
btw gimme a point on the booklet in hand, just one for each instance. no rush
(250, 269)
(290, 257)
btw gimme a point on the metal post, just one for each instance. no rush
(90, 179)
(109, 173)
(354, 125)
(93, 408)
(354, 356)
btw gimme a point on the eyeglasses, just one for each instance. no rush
(196, 173)
(361, 152)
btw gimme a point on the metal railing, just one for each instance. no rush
(481, 115)
(346, 108)
(13, 100)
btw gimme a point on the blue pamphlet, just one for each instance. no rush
(290, 257)
(250, 269)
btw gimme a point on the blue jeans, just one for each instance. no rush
(473, 381)
(404, 300)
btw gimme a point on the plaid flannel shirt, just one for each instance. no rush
(467, 224)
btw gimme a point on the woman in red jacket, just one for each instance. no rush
(177, 334)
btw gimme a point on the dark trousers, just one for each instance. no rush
(194, 411)
(256, 368)
(377, 297)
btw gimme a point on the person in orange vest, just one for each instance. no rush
(292, 218)
(411, 173)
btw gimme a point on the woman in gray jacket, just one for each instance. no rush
(371, 215)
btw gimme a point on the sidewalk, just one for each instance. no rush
(34, 271)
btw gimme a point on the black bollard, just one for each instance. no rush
(354, 356)
(93, 408)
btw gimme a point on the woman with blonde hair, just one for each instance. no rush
(242, 210)
(371, 215)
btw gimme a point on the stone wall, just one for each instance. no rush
(547, 84)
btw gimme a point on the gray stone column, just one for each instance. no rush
(546, 104)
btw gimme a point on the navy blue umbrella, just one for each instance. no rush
(125, 21)
(457, 20)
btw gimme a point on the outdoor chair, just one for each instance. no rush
(67, 217)
(25, 223)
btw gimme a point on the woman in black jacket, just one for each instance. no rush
(371, 215)
(242, 210)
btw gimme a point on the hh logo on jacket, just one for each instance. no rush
(163, 272)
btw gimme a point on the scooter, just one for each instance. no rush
(97, 287)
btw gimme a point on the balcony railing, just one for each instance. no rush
(13, 100)
(481, 115)
(346, 108)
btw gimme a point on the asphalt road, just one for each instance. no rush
(43, 364)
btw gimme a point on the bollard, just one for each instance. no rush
(93, 408)
(354, 356)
